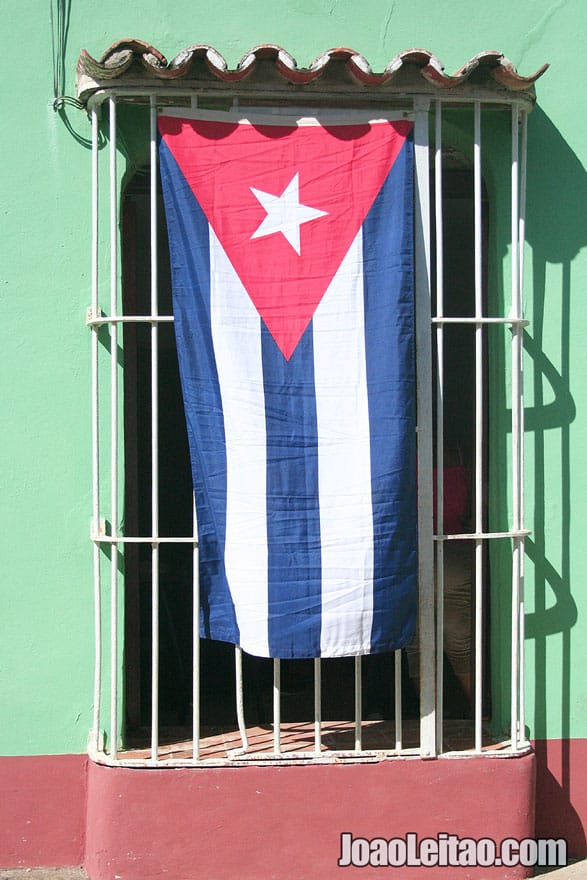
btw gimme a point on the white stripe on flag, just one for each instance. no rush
(344, 461)
(237, 344)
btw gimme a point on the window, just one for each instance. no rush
(205, 701)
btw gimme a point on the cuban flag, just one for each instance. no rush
(292, 271)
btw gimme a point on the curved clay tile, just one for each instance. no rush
(507, 75)
(203, 62)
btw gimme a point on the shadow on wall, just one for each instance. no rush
(556, 230)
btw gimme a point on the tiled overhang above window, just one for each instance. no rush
(133, 68)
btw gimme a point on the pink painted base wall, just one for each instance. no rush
(42, 810)
(561, 792)
(281, 823)
(278, 822)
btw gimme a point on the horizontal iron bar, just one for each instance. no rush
(481, 536)
(518, 322)
(293, 758)
(110, 539)
(238, 758)
(402, 94)
(129, 319)
(156, 319)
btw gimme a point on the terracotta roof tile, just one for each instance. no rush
(135, 63)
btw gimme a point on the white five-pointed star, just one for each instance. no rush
(285, 214)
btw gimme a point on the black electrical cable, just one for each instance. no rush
(58, 41)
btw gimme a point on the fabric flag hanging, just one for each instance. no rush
(292, 271)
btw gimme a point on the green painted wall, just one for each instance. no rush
(46, 646)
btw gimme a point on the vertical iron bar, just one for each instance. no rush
(424, 418)
(521, 246)
(358, 705)
(240, 703)
(397, 663)
(196, 640)
(113, 434)
(478, 434)
(439, 238)
(276, 707)
(516, 392)
(317, 705)
(96, 442)
(154, 438)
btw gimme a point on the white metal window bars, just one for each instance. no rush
(431, 322)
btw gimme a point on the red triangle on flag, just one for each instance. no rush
(285, 202)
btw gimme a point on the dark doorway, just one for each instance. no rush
(175, 509)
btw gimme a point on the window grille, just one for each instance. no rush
(314, 738)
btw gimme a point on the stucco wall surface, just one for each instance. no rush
(46, 648)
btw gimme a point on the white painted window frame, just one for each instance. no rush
(430, 324)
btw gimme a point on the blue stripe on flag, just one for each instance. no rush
(190, 267)
(293, 515)
(389, 330)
